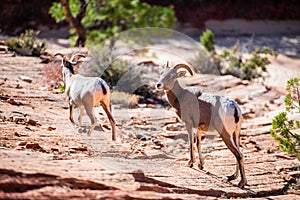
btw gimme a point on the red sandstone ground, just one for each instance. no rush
(44, 157)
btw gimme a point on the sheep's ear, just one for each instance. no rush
(181, 73)
(161, 68)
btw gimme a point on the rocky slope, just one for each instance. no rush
(43, 156)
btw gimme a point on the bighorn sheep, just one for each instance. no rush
(85, 93)
(205, 112)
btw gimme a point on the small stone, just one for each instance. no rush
(4, 48)
(157, 143)
(257, 147)
(2, 118)
(45, 88)
(141, 137)
(53, 84)
(54, 149)
(33, 146)
(26, 78)
(17, 134)
(11, 101)
(19, 86)
(21, 143)
(17, 119)
(173, 127)
(51, 128)
(245, 82)
(31, 121)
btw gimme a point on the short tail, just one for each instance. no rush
(236, 115)
(103, 89)
(102, 83)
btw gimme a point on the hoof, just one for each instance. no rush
(81, 130)
(231, 177)
(190, 163)
(200, 166)
(242, 184)
(89, 133)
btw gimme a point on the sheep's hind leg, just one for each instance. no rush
(229, 141)
(236, 140)
(107, 109)
(90, 113)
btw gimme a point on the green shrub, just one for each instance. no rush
(252, 67)
(103, 19)
(119, 74)
(27, 44)
(232, 62)
(287, 131)
(207, 40)
(105, 64)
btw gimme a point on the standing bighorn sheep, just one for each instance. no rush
(205, 112)
(85, 93)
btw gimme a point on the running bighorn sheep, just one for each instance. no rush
(205, 112)
(85, 93)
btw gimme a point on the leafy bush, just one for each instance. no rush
(27, 44)
(287, 131)
(104, 63)
(250, 68)
(119, 74)
(232, 62)
(207, 40)
(103, 19)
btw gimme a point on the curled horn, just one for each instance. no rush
(60, 54)
(76, 55)
(184, 66)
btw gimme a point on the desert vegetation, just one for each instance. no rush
(286, 125)
(27, 44)
(111, 17)
(238, 61)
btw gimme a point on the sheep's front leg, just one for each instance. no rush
(201, 160)
(189, 129)
(71, 114)
(90, 113)
(80, 129)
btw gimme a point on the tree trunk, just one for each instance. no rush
(75, 22)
